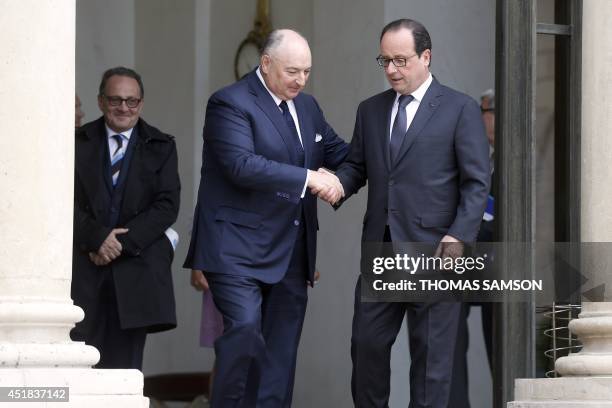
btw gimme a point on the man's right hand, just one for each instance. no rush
(111, 248)
(326, 185)
(198, 280)
(98, 259)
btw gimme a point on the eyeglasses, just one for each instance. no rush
(117, 101)
(398, 62)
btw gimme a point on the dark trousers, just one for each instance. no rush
(459, 396)
(119, 348)
(256, 355)
(460, 387)
(433, 329)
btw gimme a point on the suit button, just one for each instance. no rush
(391, 182)
(296, 222)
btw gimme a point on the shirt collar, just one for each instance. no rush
(110, 132)
(419, 93)
(277, 100)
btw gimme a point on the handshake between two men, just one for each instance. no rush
(325, 185)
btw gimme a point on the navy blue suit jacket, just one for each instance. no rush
(249, 204)
(439, 182)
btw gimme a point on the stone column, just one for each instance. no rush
(36, 180)
(594, 326)
(587, 375)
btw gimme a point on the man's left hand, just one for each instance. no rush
(317, 275)
(198, 280)
(111, 248)
(449, 247)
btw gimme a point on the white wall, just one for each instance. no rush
(104, 39)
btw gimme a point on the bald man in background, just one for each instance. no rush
(255, 223)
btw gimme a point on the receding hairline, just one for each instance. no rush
(277, 37)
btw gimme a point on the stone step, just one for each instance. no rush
(88, 387)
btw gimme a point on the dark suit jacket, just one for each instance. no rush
(439, 183)
(249, 205)
(150, 204)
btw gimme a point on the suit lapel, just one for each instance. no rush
(94, 157)
(427, 107)
(273, 112)
(385, 116)
(138, 155)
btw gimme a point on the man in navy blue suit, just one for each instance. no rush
(422, 149)
(255, 223)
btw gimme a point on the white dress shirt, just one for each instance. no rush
(411, 108)
(112, 142)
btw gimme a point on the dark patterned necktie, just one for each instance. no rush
(290, 122)
(297, 145)
(399, 127)
(117, 158)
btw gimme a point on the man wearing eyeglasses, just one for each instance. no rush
(422, 149)
(126, 197)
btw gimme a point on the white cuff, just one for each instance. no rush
(173, 237)
(305, 185)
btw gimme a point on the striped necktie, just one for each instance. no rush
(117, 158)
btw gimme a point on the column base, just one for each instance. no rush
(88, 388)
(564, 392)
(35, 333)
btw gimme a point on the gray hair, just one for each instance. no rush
(274, 39)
